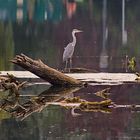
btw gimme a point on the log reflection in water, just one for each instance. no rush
(59, 96)
(37, 104)
(56, 96)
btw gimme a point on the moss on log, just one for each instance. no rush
(45, 72)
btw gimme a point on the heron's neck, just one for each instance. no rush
(74, 39)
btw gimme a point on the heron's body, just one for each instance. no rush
(68, 52)
(69, 49)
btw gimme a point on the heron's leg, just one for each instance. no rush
(66, 64)
(70, 62)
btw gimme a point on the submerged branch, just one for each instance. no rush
(11, 83)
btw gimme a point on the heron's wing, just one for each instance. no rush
(68, 46)
(68, 51)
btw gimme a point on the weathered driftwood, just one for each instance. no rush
(11, 83)
(45, 72)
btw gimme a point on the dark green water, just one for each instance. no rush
(41, 29)
(55, 122)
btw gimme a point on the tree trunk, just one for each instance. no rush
(45, 72)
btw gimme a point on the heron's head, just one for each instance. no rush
(76, 31)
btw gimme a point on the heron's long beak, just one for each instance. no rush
(79, 31)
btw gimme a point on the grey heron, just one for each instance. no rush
(69, 49)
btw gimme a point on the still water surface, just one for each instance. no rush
(41, 29)
(55, 122)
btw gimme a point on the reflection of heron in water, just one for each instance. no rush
(69, 49)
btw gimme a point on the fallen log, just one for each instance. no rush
(45, 72)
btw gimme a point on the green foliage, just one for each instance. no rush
(132, 64)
